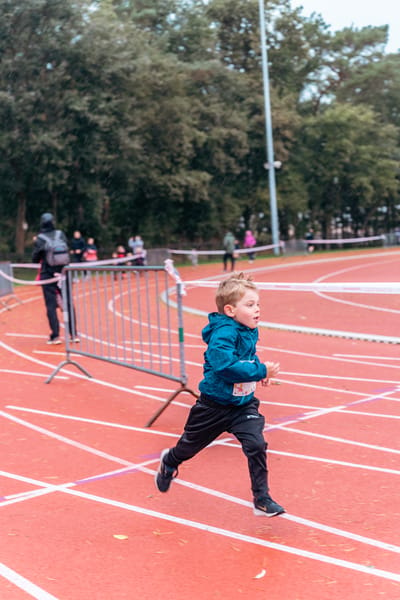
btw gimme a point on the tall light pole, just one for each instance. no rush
(268, 133)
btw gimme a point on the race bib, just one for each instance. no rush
(244, 388)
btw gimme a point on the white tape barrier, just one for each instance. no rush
(56, 278)
(91, 263)
(345, 287)
(221, 252)
(356, 240)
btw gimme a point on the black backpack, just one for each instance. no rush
(56, 248)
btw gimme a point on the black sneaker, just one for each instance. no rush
(267, 507)
(165, 474)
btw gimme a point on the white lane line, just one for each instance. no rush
(324, 388)
(25, 335)
(367, 356)
(368, 414)
(332, 358)
(89, 380)
(209, 491)
(335, 439)
(340, 378)
(135, 392)
(326, 411)
(301, 521)
(241, 537)
(341, 409)
(65, 440)
(349, 302)
(91, 421)
(28, 373)
(132, 391)
(24, 584)
(332, 461)
(67, 488)
(227, 442)
(48, 488)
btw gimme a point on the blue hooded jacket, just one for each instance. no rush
(231, 366)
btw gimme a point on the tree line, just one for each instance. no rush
(146, 116)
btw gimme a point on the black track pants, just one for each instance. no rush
(208, 419)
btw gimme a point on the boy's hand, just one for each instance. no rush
(272, 371)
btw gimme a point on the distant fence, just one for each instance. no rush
(124, 316)
(6, 283)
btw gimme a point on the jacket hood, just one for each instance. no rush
(46, 222)
(215, 321)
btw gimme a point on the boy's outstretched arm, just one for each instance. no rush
(272, 371)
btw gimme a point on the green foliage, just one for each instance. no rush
(147, 116)
(350, 165)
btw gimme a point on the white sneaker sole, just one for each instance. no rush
(261, 513)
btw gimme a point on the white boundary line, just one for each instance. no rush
(24, 584)
(224, 442)
(241, 537)
(205, 527)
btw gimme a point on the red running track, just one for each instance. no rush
(81, 516)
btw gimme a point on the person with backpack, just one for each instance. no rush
(51, 251)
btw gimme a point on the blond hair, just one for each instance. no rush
(231, 290)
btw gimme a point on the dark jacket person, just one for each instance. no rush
(52, 290)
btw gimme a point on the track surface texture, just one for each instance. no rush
(82, 519)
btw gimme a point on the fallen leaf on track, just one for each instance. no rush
(261, 574)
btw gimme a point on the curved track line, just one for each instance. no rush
(65, 488)
(350, 302)
(313, 330)
(143, 468)
(220, 442)
(241, 537)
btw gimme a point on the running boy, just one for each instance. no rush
(227, 403)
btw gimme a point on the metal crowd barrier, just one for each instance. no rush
(124, 315)
(6, 284)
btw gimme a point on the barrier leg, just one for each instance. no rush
(67, 362)
(8, 299)
(168, 402)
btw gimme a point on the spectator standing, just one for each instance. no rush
(194, 257)
(309, 238)
(136, 244)
(138, 251)
(229, 243)
(249, 242)
(90, 253)
(120, 252)
(78, 247)
(51, 291)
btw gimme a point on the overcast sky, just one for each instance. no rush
(359, 13)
